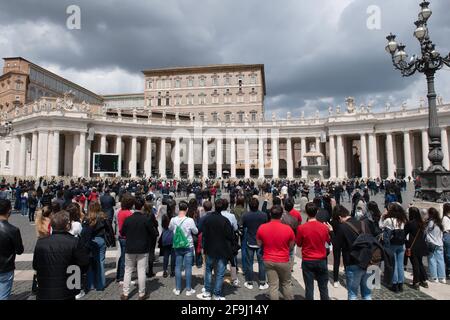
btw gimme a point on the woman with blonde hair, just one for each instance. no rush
(43, 229)
(43, 219)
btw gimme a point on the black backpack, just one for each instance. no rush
(289, 220)
(357, 251)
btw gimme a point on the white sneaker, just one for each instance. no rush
(436, 280)
(80, 295)
(133, 283)
(218, 298)
(236, 283)
(443, 281)
(248, 285)
(263, 286)
(336, 284)
(190, 292)
(203, 290)
(204, 296)
(176, 292)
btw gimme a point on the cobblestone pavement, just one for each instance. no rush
(161, 288)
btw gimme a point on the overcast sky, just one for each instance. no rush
(315, 53)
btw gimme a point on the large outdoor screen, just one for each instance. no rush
(106, 163)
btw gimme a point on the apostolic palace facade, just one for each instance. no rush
(200, 121)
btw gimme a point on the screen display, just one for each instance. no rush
(106, 163)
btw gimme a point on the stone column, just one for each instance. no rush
(289, 160)
(304, 160)
(82, 159)
(42, 153)
(407, 152)
(34, 149)
(261, 157)
(425, 150)
(148, 157)
(233, 157)
(333, 174)
(119, 152)
(22, 155)
(133, 157)
(444, 143)
(103, 148)
(191, 163)
(205, 158)
(363, 159)
(247, 158)
(55, 154)
(162, 160)
(176, 159)
(15, 150)
(340, 157)
(373, 159)
(319, 159)
(219, 157)
(390, 155)
(275, 158)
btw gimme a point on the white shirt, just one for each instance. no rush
(391, 223)
(75, 229)
(446, 223)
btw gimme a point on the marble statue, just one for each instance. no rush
(330, 111)
(362, 108)
(134, 112)
(317, 114)
(191, 116)
(164, 115)
(289, 116)
(246, 117)
(274, 116)
(350, 101)
(440, 101)
(338, 109)
(303, 115)
(369, 107)
(387, 107)
(404, 106)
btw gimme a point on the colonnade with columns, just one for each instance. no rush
(280, 154)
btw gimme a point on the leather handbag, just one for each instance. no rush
(408, 251)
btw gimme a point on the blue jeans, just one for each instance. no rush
(6, 283)
(244, 251)
(399, 256)
(183, 257)
(121, 263)
(436, 264)
(24, 208)
(96, 273)
(169, 253)
(249, 257)
(220, 265)
(357, 278)
(447, 252)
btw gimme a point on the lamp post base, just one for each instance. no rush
(435, 186)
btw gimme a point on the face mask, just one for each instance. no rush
(359, 214)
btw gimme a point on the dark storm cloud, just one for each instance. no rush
(316, 53)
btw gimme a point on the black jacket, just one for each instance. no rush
(52, 257)
(218, 236)
(10, 245)
(345, 241)
(140, 232)
(107, 202)
(419, 248)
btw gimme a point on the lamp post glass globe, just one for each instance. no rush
(426, 12)
(420, 32)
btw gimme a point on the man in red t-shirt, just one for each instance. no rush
(277, 239)
(126, 204)
(313, 238)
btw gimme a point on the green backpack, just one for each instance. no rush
(180, 241)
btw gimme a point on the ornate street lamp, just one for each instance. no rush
(436, 179)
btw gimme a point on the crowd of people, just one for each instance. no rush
(210, 225)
